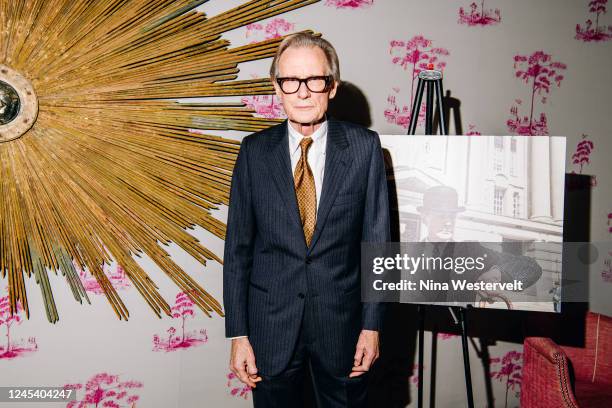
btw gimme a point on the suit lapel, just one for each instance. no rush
(279, 167)
(336, 161)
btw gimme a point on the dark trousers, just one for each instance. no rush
(286, 389)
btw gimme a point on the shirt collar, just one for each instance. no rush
(295, 137)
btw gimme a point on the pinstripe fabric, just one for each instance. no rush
(270, 273)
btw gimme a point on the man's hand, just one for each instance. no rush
(242, 362)
(366, 352)
(487, 297)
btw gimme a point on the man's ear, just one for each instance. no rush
(333, 90)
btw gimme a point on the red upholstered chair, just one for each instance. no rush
(548, 369)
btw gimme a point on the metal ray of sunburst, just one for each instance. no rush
(97, 160)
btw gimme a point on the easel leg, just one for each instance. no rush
(440, 105)
(432, 368)
(416, 107)
(466, 357)
(429, 108)
(421, 312)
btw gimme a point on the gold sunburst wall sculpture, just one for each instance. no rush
(97, 160)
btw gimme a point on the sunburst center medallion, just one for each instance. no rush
(18, 104)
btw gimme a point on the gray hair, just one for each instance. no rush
(306, 39)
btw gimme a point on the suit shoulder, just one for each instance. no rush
(261, 135)
(357, 132)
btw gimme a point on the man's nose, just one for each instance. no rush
(303, 91)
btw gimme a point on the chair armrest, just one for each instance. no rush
(546, 380)
(545, 347)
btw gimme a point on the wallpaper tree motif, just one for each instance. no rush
(509, 372)
(472, 131)
(582, 155)
(414, 55)
(275, 28)
(117, 278)
(540, 73)
(182, 309)
(105, 390)
(479, 17)
(13, 348)
(109, 168)
(598, 32)
(349, 4)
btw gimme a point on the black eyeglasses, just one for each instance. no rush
(316, 84)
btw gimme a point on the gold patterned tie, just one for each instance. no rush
(303, 180)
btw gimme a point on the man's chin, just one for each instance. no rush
(306, 120)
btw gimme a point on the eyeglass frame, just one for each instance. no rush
(328, 81)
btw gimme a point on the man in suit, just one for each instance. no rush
(439, 213)
(304, 195)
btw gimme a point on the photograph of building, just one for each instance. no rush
(509, 193)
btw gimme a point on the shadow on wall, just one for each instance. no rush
(452, 113)
(392, 374)
(350, 105)
(389, 384)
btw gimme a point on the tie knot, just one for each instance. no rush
(305, 144)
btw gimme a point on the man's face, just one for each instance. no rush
(440, 226)
(304, 106)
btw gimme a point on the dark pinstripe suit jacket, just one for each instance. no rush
(268, 269)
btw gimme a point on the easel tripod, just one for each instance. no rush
(431, 80)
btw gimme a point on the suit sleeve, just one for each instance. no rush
(238, 253)
(520, 267)
(376, 226)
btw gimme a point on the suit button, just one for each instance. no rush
(301, 295)
(308, 260)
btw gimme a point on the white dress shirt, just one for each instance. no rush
(316, 159)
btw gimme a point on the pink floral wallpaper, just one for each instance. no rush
(180, 337)
(116, 276)
(478, 15)
(507, 369)
(540, 73)
(105, 390)
(514, 68)
(266, 106)
(594, 29)
(349, 4)
(275, 28)
(14, 344)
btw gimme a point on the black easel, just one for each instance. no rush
(432, 80)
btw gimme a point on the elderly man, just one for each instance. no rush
(304, 195)
(439, 213)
